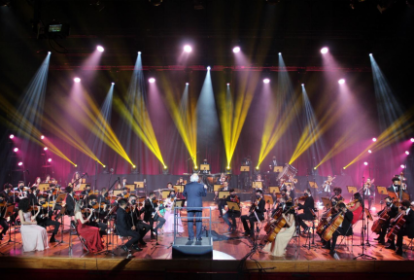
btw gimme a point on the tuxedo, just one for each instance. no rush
(407, 230)
(194, 192)
(307, 214)
(344, 229)
(392, 213)
(273, 163)
(259, 209)
(124, 227)
(150, 208)
(70, 205)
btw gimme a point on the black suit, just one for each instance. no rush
(345, 229)
(392, 213)
(33, 199)
(260, 209)
(230, 214)
(307, 214)
(70, 205)
(407, 230)
(3, 222)
(148, 216)
(47, 221)
(142, 227)
(124, 227)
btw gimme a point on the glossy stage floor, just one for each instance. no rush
(228, 256)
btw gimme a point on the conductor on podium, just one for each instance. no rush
(194, 192)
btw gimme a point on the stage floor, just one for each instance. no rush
(226, 256)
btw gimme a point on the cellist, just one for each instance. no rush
(407, 209)
(392, 211)
(345, 228)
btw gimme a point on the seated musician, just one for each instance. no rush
(125, 192)
(257, 207)
(392, 211)
(3, 221)
(87, 191)
(308, 208)
(290, 193)
(44, 218)
(232, 214)
(33, 196)
(103, 197)
(180, 182)
(141, 227)
(170, 186)
(326, 216)
(337, 194)
(8, 197)
(357, 207)
(221, 202)
(283, 185)
(90, 234)
(407, 229)
(169, 204)
(92, 203)
(151, 214)
(124, 227)
(345, 228)
(277, 248)
(47, 180)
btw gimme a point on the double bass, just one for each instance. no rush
(383, 218)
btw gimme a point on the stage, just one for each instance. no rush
(228, 257)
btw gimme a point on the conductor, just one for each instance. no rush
(194, 192)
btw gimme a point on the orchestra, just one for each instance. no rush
(135, 216)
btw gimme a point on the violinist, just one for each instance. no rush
(92, 203)
(87, 191)
(392, 211)
(69, 202)
(277, 248)
(326, 186)
(44, 218)
(124, 227)
(169, 204)
(141, 227)
(407, 210)
(232, 214)
(345, 228)
(8, 197)
(37, 182)
(3, 221)
(256, 214)
(307, 208)
(290, 192)
(76, 181)
(151, 215)
(220, 201)
(125, 192)
(337, 194)
(22, 193)
(47, 180)
(33, 196)
(180, 182)
(368, 192)
(357, 207)
(103, 197)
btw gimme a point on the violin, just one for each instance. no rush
(33, 208)
(235, 199)
(352, 203)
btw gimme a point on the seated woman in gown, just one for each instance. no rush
(277, 248)
(169, 214)
(34, 237)
(90, 234)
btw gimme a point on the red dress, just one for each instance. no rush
(92, 237)
(357, 215)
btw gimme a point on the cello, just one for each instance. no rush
(272, 229)
(398, 224)
(332, 226)
(378, 224)
(324, 220)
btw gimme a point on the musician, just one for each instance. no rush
(170, 186)
(3, 221)
(392, 211)
(44, 218)
(408, 228)
(180, 182)
(220, 201)
(125, 192)
(326, 186)
(257, 207)
(124, 182)
(395, 187)
(277, 248)
(273, 163)
(205, 172)
(87, 191)
(8, 197)
(283, 185)
(69, 202)
(33, 196)
(292, 181)
(76, 178)
(103, 197)
(357, 207)
(345, 228)
(37, 182)
(141, 227)
(222, 179)
(337, 194)
(368, 192)
(232, 214)
(169, 204)
(21, 190)
(47, 180)
(124, 227)
(151, 215)
(308, 210)
(92, 203)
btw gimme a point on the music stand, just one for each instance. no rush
(245, 168)
(139, 185)
(223, 195)
(352, 189)
(277, 169)
(116, 192)
(382, 191)
(179, 189)
(274, 190)
(217, 187)
(43, 187)
(204, 167)
(165, 193)
(130, 187)
(257, 185)
(82, 187)
(7, 214)
(233, 206)
(269, 201)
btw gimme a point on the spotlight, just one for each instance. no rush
(75, 165)
(188, 48)
(49, 160)
(151, 80)
(42, 137)
(370, 54)
(402, 166)
(324, 50)
(155, 3)
(45, 148)
(165, 170)
(77, 80)
(407, 153)
(365, 163)
(134, 169)
(266, 81)
(280, 53)
(344, 168)
(139, 52)
(341, 81)
(228, 84)
(113, 83)
(369, 151)
(104, 166)
(195, 168)
(134, 166)
(236, 49)
(374, 139)
(208, 68)
(186, 84)
(228, 167)
(412, 139)
(49, 52)
(100, 49)
(15, 150)
(12, 136)
(315, 168)
(303, 85)
(20, 163)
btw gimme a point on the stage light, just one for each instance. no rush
(412, 140)
(77, 80)
(139, 52)
(165, 167)
(151, 80)
(100, 49)
(344, 168)
(373, 208)
(75, 165)
(341, 81)
(134, 169)
(104, 166)
(365, 163)
(324, 50)
(20, 163)
(49, 52)
(266, 81)
(45, 148)
(42, 137)
(228, 84)
(15, 150)
(195, 167)
(228, 167)
(369, 151)
(49, 160)
(280, 53)
(12, 136)
(165, 170)
(374, 139)
(113, 83)
(134, 166)
(236, 49)
(315, 168)
(402, 166)
(208, 68)
(257, 167)
(407, 153)
(370, 54)
(303, 85)
(186, 84)
(188, 48)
